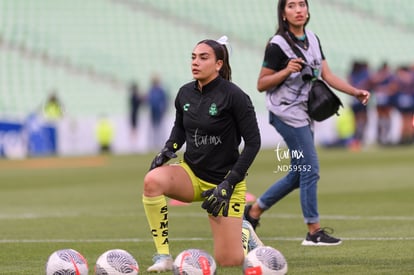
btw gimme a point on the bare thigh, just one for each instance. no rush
(169, 180)
(227, 235)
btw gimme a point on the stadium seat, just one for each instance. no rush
(90, 51)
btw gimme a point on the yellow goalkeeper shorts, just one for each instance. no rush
(237, 200)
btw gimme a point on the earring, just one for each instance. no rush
(284, 18)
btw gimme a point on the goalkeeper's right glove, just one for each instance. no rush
(218, 198)
(162, 157)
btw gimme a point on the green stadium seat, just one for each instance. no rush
(88, 43)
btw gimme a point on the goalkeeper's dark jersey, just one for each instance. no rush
(212, 123)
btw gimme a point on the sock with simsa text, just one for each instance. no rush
(156, 211)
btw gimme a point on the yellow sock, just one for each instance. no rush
(245, 240)
(156, 211)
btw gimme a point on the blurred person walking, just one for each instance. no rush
(380, 83)
(281, 76)
(403, 100)
(158, 103)
(359, 77)
(212, 116)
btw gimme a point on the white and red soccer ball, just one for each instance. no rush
(194, 262)
(66, 262)
(265, 260)
(116, 262)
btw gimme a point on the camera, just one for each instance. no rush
(307, 72)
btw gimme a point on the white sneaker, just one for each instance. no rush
(253, 239)
(162, 263)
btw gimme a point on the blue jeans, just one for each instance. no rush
(303, 170)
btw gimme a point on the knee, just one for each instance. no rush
(151, 184)
(313, 175)
(312, 169)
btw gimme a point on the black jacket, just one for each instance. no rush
(212, 123)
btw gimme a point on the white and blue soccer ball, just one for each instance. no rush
(265, 260)
(194, 262)
(66, 262)
(116, 262)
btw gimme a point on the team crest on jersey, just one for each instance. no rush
(186, 107)
(213, 109)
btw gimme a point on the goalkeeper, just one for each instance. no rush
(213, 116)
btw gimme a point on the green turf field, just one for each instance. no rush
(93, 204)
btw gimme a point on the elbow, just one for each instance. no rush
(263, 86)
(257, 143)
(260, 87)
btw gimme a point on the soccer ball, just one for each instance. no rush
(194, 262)
(116, 262)
(66, 262)
(264, 260)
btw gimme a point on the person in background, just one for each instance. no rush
(284, 79)
(359, 77)
(380, 83)
(212, 117)
(53, 108)
(403, 100)
(135, 101)
(158, 103)
(104, 133)
(345, 130)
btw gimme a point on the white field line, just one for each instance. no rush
(137, 240)
(195, 215)
(201, 214)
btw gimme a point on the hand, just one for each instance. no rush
(295, 65)
(362, 96)
(162, 157)
(218, 198)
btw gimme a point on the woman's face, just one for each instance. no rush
(204, 65)
(296, 12)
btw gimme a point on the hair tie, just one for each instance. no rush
(224, 41)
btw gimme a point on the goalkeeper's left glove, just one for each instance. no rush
(162, 157)
(218, 198)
